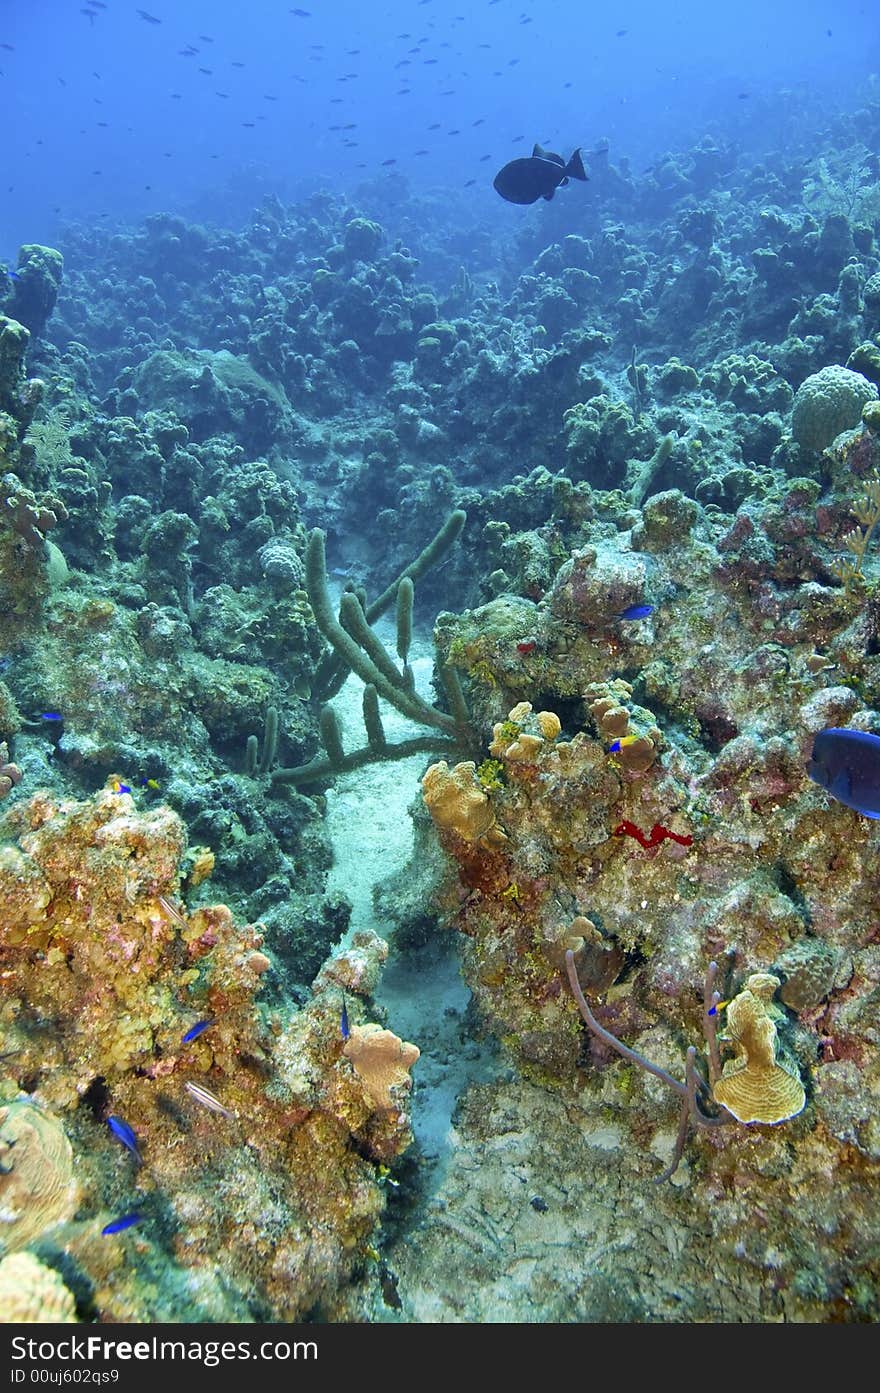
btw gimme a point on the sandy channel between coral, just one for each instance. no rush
(369, 824)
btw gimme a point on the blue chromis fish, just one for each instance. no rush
(196, 1030)
(846, 763)
(343, 1020)
(636, 612)
(124, 1133)
(125, 1221)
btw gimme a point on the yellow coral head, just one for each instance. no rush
(753, 1086)
(456, 801)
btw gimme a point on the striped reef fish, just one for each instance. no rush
(207, 1099)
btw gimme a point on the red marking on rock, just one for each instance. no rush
(657, 834)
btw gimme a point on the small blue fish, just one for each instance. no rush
(195, 1031)
(343, 1023)
(622, 742)
(50, 716)
(124, 1133)
(636, 612)
(118, 1225)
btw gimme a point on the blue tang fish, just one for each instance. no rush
(847, 765)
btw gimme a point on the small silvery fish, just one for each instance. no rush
(118, 1225)
(195, 1031)
(207, 1100)
(173, 913)
(124, 1133)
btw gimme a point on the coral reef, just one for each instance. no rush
(104, 973)
(663, 425)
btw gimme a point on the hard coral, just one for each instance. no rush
(753, 1086)
(381, 1060)
(458, 804)
(634, 746)
(10, 774)
(31, 1293)
(37, 1188)
(826, 403)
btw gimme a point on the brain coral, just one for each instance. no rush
(31, 1293)
(827, 403)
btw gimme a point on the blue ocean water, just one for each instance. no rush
(113, 114)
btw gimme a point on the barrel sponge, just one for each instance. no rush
(31, 1293)
(826, 403)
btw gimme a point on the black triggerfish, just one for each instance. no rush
(537, 176)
